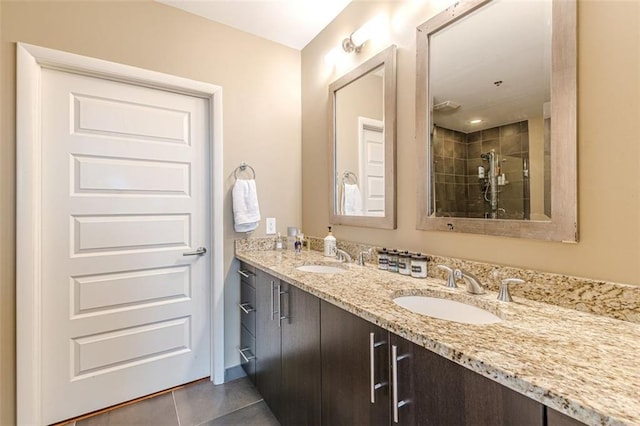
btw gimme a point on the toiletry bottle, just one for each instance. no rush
(279, 242)
(292, 231)
(419, 265)
(298, 245)
(393, 260)
(383, 259)
(404, 263)
(330, 246)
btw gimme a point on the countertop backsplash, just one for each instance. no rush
(614, 300)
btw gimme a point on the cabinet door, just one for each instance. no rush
(490, 403)
(346, 369)
(429, 390)
(556, 418)
(439, 391)
(300, 404)
(268, 367)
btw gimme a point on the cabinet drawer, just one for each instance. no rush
(248, 307)
(247, 353)
(247, 274)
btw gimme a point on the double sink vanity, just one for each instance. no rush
(342, 344)
(331, 343)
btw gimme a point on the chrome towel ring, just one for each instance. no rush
(243, 167)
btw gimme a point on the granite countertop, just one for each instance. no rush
(583, 365)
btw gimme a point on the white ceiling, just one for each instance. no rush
(293, 23)
(504, 41)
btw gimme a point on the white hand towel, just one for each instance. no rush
(246, 212)
(352, 200)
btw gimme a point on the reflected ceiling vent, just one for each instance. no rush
(446, 106)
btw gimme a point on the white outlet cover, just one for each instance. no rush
(271, 225)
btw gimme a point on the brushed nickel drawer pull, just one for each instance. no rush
(246, 308)
(246, 358)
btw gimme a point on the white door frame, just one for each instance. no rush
(30, 62)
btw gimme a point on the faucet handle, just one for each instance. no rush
(451, 281)
(503, 294)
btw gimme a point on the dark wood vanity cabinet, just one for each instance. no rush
(350, 346)
(424, 387)
(316, 363)
(432, 390)
(288, 350)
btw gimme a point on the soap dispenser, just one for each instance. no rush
(330, 246)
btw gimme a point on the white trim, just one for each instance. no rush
(30, 62)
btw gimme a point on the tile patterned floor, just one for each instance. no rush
(233, 403)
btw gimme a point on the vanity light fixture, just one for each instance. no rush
(349, 45)
(354, 42)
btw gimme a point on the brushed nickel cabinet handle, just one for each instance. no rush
(280, 294)
(273, 312)
(395, 404)
(372, 366)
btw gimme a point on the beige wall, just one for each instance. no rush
(261, 108)
(608, 145)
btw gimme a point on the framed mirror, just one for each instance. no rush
(363, 144)
(496, 119)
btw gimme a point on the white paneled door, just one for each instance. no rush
(372, 165)
(125, 184)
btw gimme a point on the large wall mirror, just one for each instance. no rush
(362, 145)
(496, 119)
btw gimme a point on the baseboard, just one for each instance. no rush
(233, 373)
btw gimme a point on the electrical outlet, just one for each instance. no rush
(271, 225)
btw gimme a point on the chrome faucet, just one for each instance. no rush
(473, 284)
(362, 255)
(451, 281)
(343, 256)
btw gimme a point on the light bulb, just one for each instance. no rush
(371, 27)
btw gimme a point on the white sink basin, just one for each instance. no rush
(447, 309)
(321, 269)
